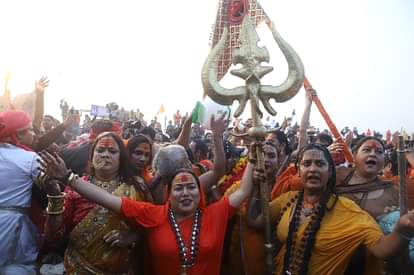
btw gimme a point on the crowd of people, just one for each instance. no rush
(123, 196)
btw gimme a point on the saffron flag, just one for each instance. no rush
(161, 110)
(230, 13)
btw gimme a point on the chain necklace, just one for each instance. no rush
(309, 207)
(106, 185)
(187, 260)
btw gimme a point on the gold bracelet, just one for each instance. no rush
(55, 204)
(73, 180)
(61, 196)
(57, 212)
(53, 208)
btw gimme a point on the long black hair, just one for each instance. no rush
(134, 142)
(308, 240)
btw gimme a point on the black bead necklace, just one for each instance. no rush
(187, 261)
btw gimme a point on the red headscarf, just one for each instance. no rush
(12, 122)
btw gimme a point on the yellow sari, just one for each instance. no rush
(87, 253)
(342, 231)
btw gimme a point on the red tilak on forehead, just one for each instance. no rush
(183, 178)
(106, 142)
(145, 147)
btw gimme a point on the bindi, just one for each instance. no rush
(144, 147)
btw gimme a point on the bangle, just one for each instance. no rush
(72, 179)
(55, 204)
(61, 196)
(59, 212)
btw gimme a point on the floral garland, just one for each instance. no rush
(236, 174)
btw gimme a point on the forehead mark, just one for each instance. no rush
(144, 147)
(183, 178)
(106, 142)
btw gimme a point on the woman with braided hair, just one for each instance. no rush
(319, 230)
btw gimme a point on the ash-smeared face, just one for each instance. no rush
(106, 156)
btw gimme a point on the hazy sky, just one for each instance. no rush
(141, 54)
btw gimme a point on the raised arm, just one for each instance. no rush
(54, 167)
(219, 169)
(245, 189)
(39, 91)
(44, 141)
(304, 123)
(184, 137)
(393, 243)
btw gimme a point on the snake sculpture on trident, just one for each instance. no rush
(250, 56)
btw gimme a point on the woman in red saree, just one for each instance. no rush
(100, 242)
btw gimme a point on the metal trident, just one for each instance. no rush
(251, 56)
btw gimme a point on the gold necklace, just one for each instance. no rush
(106, 185)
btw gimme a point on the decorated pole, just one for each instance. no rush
(329, 122)
(7, 78)
(250, 56)
(402, 173)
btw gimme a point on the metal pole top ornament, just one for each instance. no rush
(250, 56)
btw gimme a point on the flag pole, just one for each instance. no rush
(347, 153)
(7, 77)
(250, 55)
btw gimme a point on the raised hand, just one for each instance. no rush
(218, 126)
(72, 119)
(53, 166)
(337, 152)
(405, 225)
(41, 84)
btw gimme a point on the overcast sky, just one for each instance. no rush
(358, 54)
